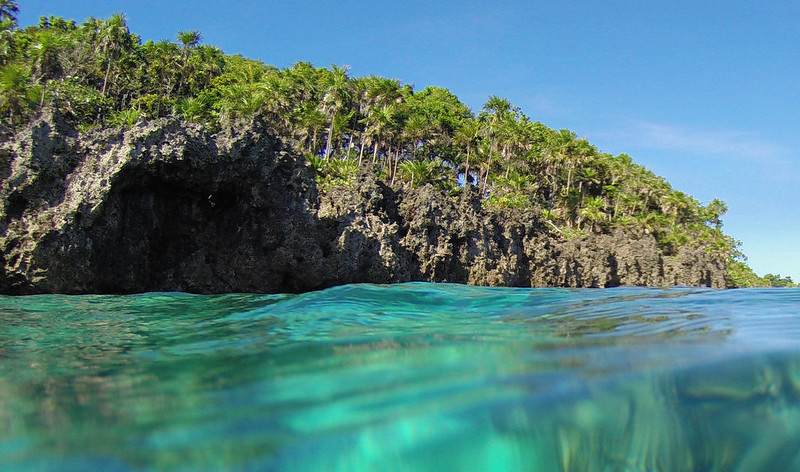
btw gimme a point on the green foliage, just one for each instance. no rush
(81, 102)
(593, 211)
(332, 173)
(18, 96)
(573, 233)
(514, 190)
(741, 275)
(776, 280)
(199, 109)
(548, 215)
(151, 105)
(99, 73)
(124, 118)
(673, 238)
(421, 172)
(87, 127)
(9, 10)
(508, 200)
(189, 39)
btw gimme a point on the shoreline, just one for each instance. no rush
(166, 205)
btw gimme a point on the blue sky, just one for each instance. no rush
(705, 94)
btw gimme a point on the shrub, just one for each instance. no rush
(509, 200)
(332, 173)
(83, 103)
(124, 118)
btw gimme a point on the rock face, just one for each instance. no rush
(167, 206)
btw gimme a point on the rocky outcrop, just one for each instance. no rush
(386, 236)
(168, 206)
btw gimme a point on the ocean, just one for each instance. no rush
(410, 376)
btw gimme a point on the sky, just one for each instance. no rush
(705, 94)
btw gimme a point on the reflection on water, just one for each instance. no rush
(403, 377)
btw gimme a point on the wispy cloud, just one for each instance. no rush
(722, 143)
(542, 104)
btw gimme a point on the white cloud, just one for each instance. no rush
(722, 143)
(540, 103)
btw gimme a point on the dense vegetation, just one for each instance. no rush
(744, 276)
(100, 74)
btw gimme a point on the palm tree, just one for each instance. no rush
(414, 130)
(519, 183)
(592, 211)
(421, 172)
(714, 211)
(336, 96)
(241, 100)
(189, 39)
(486, 157)
(311, 121)
(341, 126)
(44, 53)
(467, 138)
(559, 155)
(495, 111)
(497, 107)
(44, 57)
(16, 94)
(516, 144)
(8, 22)
(380, 124)
(374, 94)
(8, 11)
(114, 36)
(504, 128)
(6, 43)
(671, 204)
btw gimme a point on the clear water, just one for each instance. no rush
(403, 377)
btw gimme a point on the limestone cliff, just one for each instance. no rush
(168, 206)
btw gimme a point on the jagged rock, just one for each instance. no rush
(168, 206)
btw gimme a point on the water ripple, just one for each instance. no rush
(403, 377)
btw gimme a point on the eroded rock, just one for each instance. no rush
(168, 206)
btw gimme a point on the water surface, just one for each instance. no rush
(403, 377)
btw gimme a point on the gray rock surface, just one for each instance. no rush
(168, 206)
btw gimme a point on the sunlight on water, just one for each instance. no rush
(404, 377)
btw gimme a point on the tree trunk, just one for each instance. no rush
(184, 66)
(507, 159)
(330, 138)
(105, 80)
(350, 145)
(314, 142)
(466, 170)
(361, 152)
(569, 178)
(394, 167)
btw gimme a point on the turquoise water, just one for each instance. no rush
(403, 377)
